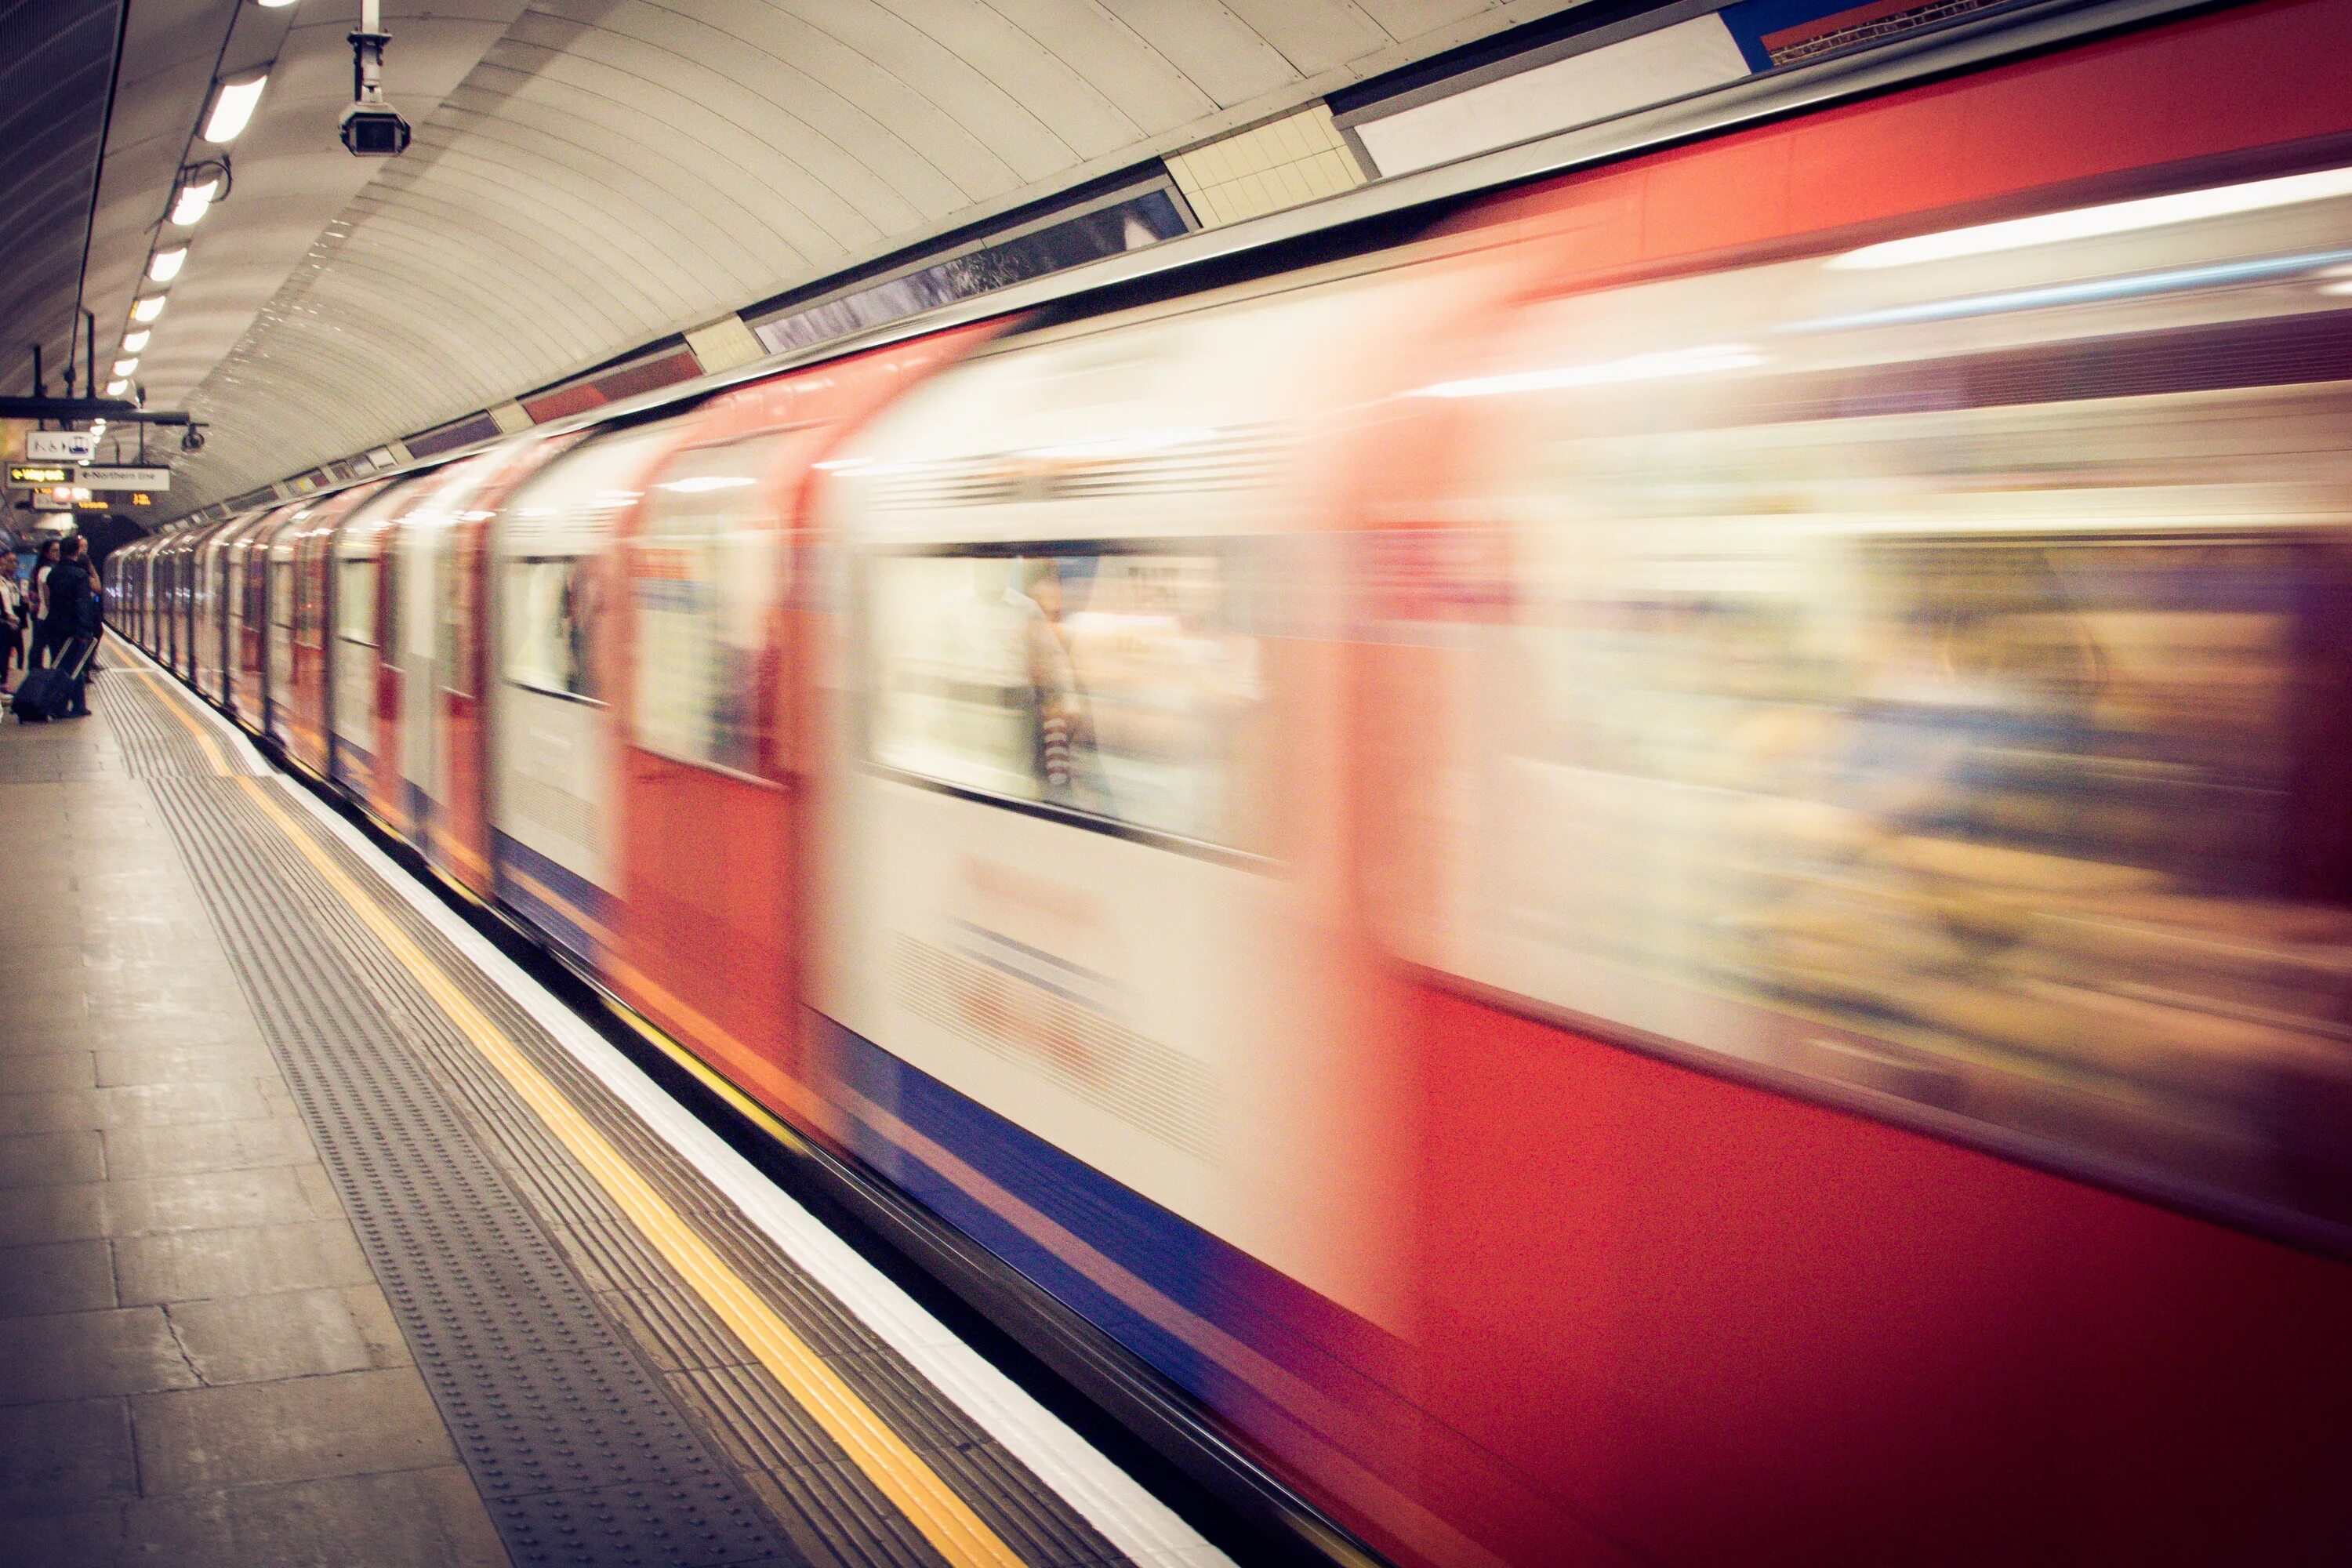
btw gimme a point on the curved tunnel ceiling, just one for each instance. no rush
(55, 59)
(589, 175)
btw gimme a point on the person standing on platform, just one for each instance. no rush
(78, 551)
(12, 618)
(43, 631)
(74, 615)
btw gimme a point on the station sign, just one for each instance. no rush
(40, 474)
(60, 445)
(125, 478)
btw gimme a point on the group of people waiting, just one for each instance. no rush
(50, 615)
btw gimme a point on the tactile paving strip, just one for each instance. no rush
(751, 1416)
(154, 744)
(579, 1450)
(831, 1511)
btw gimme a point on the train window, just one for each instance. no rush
(1105, 681)
(281, 593)
(355, 604)
(549, 607)
(450, 657)
(706, 576)
(307, 618)
(1962, 714)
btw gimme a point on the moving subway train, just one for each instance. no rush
(1662, 876)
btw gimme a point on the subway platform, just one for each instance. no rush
(327, 1235)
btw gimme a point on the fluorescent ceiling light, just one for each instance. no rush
(233, 108)
(147, 310)
(167, 264)
(133, 341)
(125, 366)
(1638, 367)
(194, 202)
(2091, 223)
(273, 5)
(117, 389)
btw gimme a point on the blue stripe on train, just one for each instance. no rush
(1206, 1279)
(365, 758)
(560, 923)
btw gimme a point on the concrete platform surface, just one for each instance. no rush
(196, 1365)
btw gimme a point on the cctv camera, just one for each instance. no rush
(375, 131)
(193, 439)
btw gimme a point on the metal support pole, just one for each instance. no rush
(367, 55)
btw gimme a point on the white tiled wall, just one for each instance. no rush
(724, 343)
(1278, 164)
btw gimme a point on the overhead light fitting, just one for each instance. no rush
(125, 366)
(233, 109)
(166, 264)
(196, 200)
(117, 389)
(133, 341)
(147, 310)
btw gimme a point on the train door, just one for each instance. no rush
(212, 606)
(169, 599)
(250, 627)
(387, 797)
(710, 922)
(284, 595)
(362, 640)
(1085, 951)
(240, 625)
(236, 595)
(704, 920)
(204, 603)
(223, 550)
(422, 545)
(183, 653)
(315, 626)
(552, 763)
(459, 846)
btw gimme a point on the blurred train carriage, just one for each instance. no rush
(1659, 875)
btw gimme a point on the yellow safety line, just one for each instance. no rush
(712, 1079)
(932, 1506)
(212, 747)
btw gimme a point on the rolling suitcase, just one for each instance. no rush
(45, 694)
